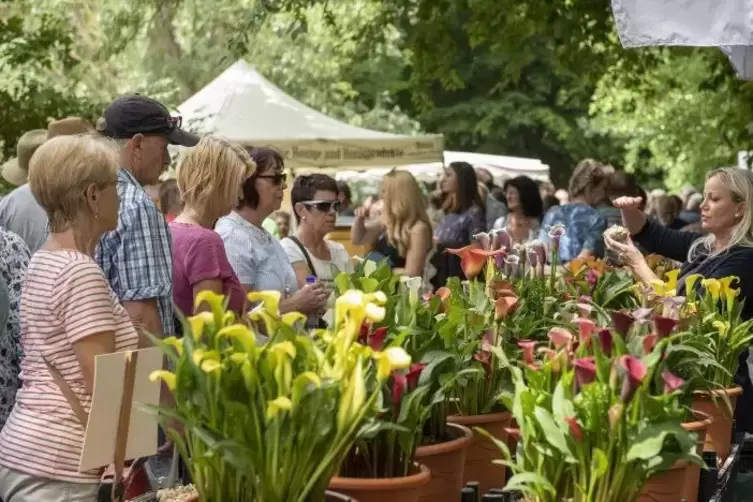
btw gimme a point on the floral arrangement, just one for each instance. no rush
(272, 421)
(598, 415)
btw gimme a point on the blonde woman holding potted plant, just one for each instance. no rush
(69, 315)
(727, 250)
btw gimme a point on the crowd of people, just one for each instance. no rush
(89, 263)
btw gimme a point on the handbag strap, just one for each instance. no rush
(305, 253)
(68, 393)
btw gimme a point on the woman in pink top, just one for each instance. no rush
(209, 177)
(69, 316)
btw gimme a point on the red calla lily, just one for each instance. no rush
(399, 381)
(504, 306)
(473, 259)
(414, 373)
(664, 326)
(560, 337)
(363, 334)
(649, 342)
(605, 341)
(635, 371)
(671, 382)
(586, 328)
(485, 359)
(622, 322)
(585, 370)
(528, 347)
(376, 338)
(575, 429)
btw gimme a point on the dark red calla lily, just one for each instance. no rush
(649, 342)
(414, 373)
(634, 372)
(664, 326)
(586, 328)
(376, 338)
(399, 381)
(585, 370)
(606, 342)
(363, 334)
(528, 347)
(622, 322)
(560, 337)
(671, 382)
(485, 358)
(575, 429)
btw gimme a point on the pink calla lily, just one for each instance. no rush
(585, 370)
(560, 337)
(528, 347)
(575, 429)
(649, 342)
(671, 382)
(586, 328)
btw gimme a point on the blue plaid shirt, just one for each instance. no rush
(137, 256)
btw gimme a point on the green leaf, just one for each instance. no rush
(650, 441)
(553, 434)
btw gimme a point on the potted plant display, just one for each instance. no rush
(272, 422)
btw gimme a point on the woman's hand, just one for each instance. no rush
(361, 213)
(310, 298)
(632, 217)
(631, 257)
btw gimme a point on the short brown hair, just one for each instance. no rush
(61, 170)
(588, 173)
(266, 159)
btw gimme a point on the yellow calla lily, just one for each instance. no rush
(269, 299)
(229, 318)
(166, 376)
(238, 357)
(210, 365)
(353, 397)
(290, 318)
(723, 328)
(241, 333)
(275, 406)
(390, 359)
(375, 313)
(283, 348)
(176, 343)
(215, 302)
(728, 291)
(302, 382)
(377, 297)
(270, 322)
(671, 278)
(197, 323)
(690, 283)
(713, 287)
(197, 356)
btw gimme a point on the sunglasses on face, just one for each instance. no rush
(277, 179)
(324, 206)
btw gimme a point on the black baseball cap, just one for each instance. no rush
(136, 114)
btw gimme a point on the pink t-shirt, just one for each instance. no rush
(199, 255)
(65, 299)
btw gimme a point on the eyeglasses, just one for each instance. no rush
(175, 122)
(277, 179)
(324, 206)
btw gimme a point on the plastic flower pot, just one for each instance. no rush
(481, 452)
(405, 489)
(446, 461)
(681, 481)
(719, 435)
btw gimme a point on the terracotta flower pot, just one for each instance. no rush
(719, 435)
(406, 489)
(481, 453)
(446, 461)
(680, 482)
(329, 496)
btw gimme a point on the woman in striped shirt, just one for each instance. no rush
(69, 315)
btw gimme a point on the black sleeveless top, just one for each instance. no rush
(383, 249)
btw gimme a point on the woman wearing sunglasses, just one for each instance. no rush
(257, 258)
(315, 205)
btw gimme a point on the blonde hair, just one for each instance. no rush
(740, 184)
(404, 206)
(61, 170)
(210, 175)
(587, 175)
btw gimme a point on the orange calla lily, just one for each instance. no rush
(444, 293)
(505, 305)
(473, 259)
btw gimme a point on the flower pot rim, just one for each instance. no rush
(381, 484)
(729, 391)
(484, 418)
(447, 446)
(702, 421)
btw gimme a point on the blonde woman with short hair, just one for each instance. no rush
(403, 233)
(69, 315)
(210, 177)
(725, 251)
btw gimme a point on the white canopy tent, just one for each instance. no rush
(501, 167)
(727, 24)
(245, 107)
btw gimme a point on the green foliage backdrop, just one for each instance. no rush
(542, 79)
